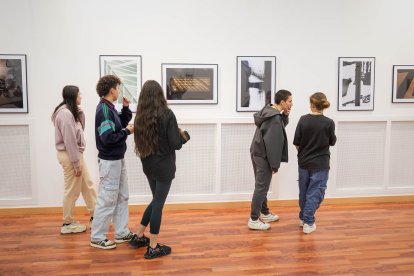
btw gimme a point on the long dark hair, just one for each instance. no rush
(69, 95)
(151, 104)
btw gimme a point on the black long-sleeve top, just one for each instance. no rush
(161, 166)
(313, 136)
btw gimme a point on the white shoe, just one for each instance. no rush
(74, 227)
(301, 223)
(258, 225)
(269, 217)
(307, 229)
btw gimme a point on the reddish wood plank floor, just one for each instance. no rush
(358, 239)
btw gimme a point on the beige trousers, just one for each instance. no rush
(74, 186)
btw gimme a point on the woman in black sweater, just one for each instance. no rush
(157, 137)
(314, 134)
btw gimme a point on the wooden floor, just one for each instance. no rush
(358, 239)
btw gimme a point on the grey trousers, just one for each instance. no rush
(263, 176)
(112, 203)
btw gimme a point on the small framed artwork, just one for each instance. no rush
(403, 84)
(356, 79)
(256, 82)
(128, 69)
(13, 84)
(186, 83)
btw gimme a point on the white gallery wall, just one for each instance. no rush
(63, 41)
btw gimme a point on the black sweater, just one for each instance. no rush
(161, 166)
(314, 134)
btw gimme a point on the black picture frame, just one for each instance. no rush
(190, 83)
(356, 83)
(256, 82)
(13, 83)
(403, 84)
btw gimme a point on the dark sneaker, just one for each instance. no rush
(127, 238)
(105, 244)
(139, 242)
(159, 251)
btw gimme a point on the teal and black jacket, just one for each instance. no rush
(110, 131)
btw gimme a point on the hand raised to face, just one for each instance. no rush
(125, 101)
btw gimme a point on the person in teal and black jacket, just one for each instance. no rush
(111, 132)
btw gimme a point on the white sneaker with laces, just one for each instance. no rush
(269, 217)
(301, 223)
(307, 229)
(74, 227)
(258, 225)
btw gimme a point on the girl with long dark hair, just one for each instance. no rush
(157, 137)
(69, 121)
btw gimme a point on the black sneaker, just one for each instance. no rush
(159, 251)
(139, 242)
(104, 244)
(127, 238)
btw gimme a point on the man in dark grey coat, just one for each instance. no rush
(269, 147)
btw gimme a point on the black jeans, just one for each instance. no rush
(263, 176)
(153, 212)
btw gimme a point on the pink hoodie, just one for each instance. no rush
(69, 134)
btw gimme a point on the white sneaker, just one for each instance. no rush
(269, 217)
(258, 225)
(307, 229)
(301, 223)
(74, 227)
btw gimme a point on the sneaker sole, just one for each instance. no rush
(260, 229)
(72, 232)
(150, 258)
(269, 220)
(120, 241)
(101, 247)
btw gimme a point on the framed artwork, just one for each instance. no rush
(256, 82)
(128, 69)
(356, 79)
(13, 84)
(185, 83)
(403, 84)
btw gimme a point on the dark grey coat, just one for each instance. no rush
(270, 141)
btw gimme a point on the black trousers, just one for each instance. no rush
(153, 212)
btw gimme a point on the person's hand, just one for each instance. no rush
(78, 171)
(125, 101)
(130, 127)
(285, 112)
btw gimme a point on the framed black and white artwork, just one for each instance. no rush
(256, 82)
(186, 83)
(403, 84)
(128, 69)
(356, 81)
(13, 84)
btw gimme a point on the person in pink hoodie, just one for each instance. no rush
(69, 121)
